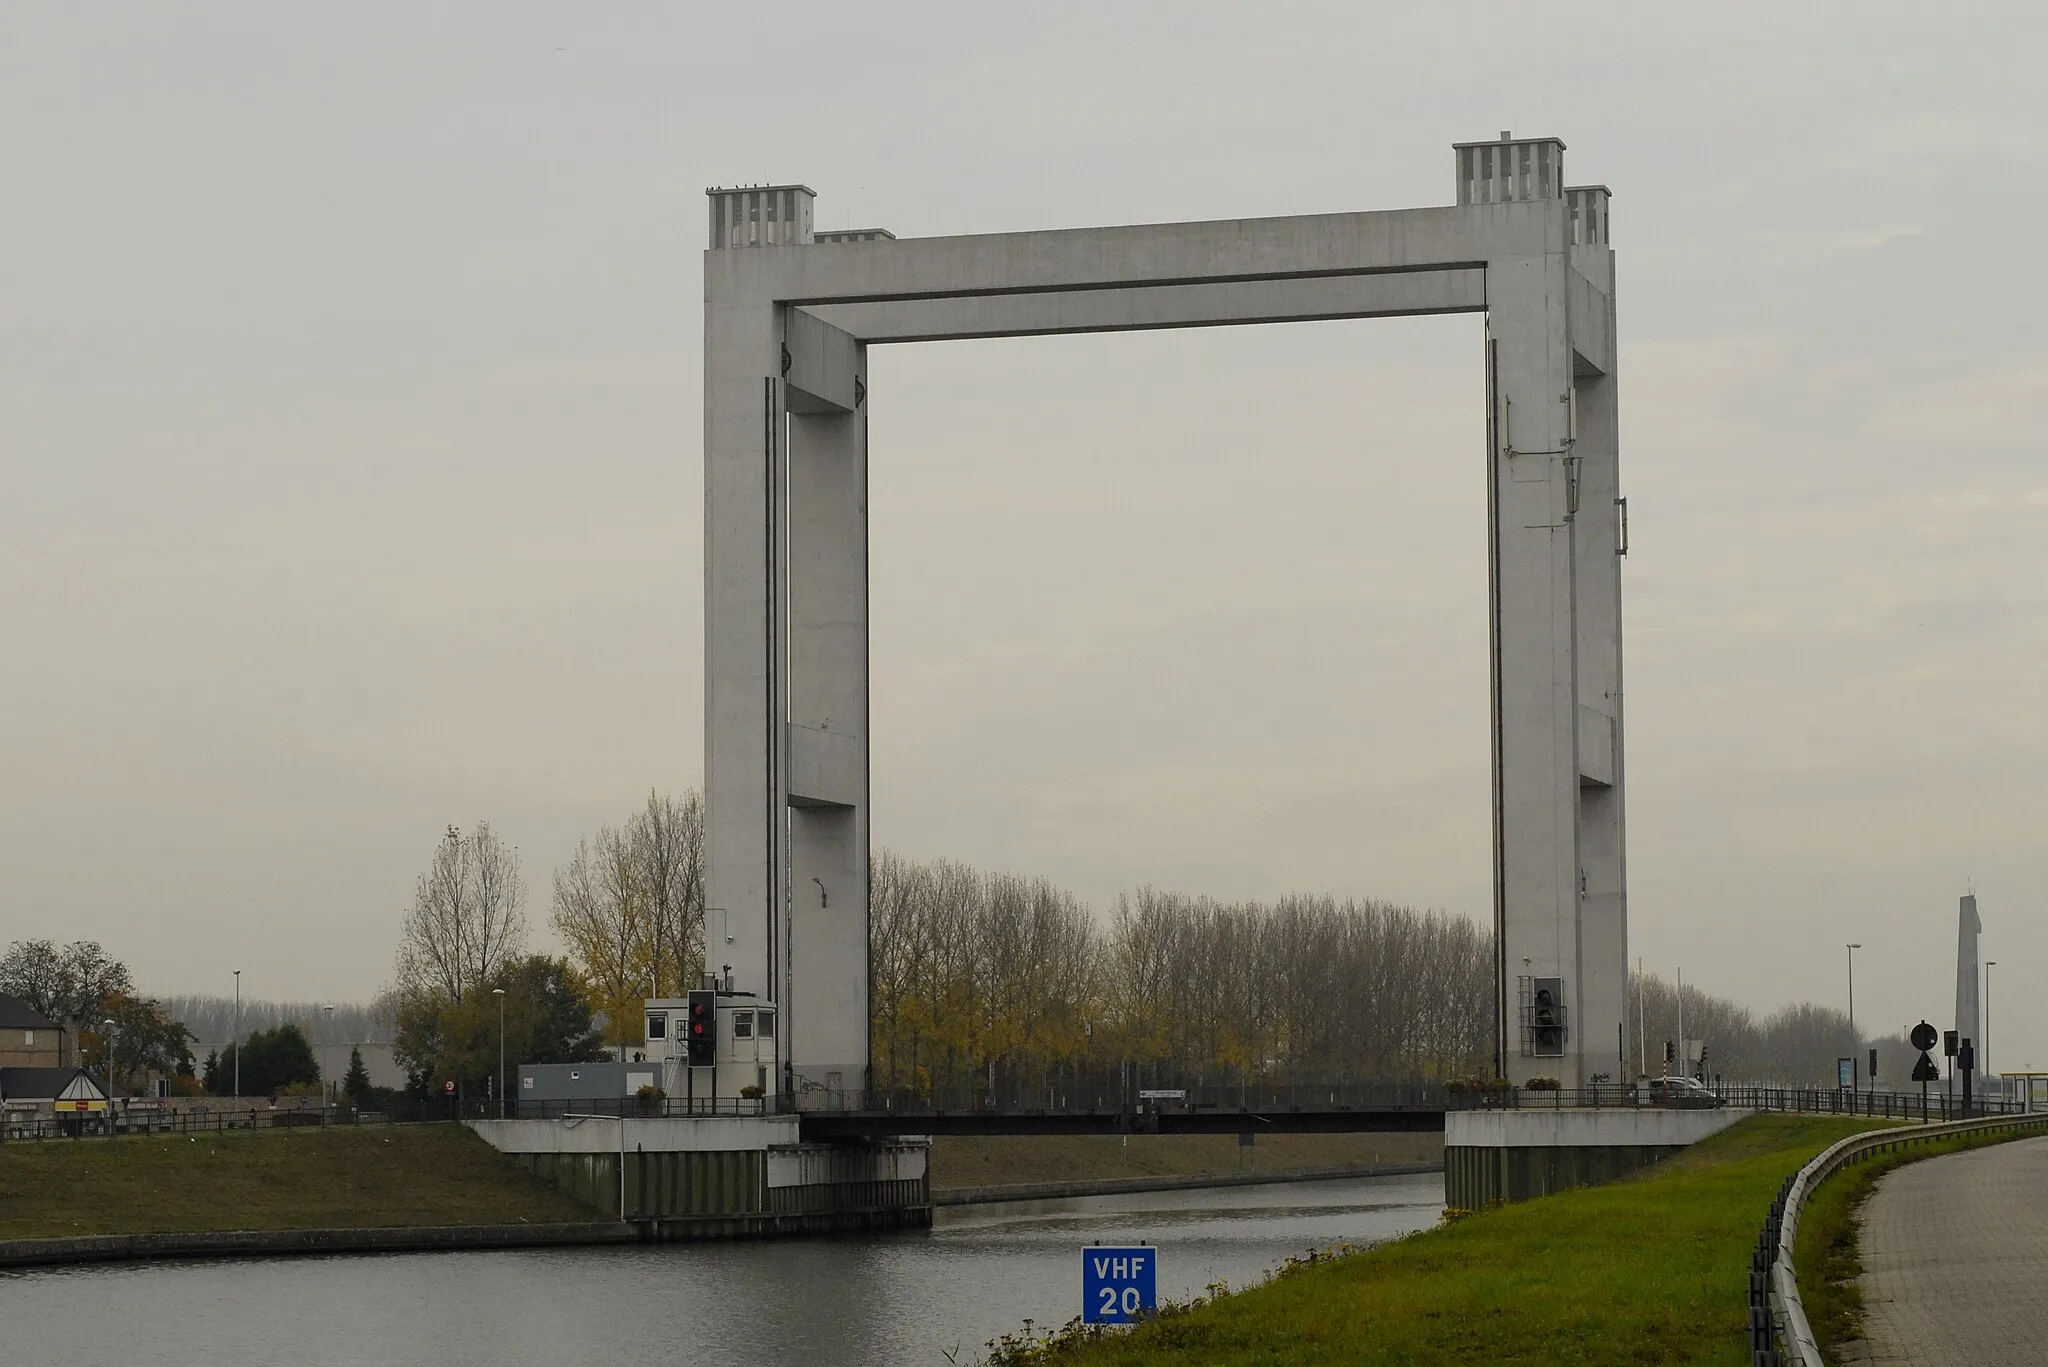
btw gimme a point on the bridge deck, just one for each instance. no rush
(825, 1126)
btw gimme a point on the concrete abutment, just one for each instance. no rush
(1500, 1156)
(722, 1177)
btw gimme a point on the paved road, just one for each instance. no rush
(1955, 1259)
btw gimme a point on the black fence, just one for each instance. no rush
(1120, 1097)
(221, 1115)
(1882, 1105)
(652, 1108)
(1155, 1095)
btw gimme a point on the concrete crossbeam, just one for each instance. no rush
(1317, 299)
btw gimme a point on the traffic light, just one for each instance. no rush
(1546, 1017)
(703, 1028)
(1670, 1051)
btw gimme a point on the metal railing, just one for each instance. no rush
(1751, 1097)
(1079, 1098)
(221, 1115)
(650, 1108)
(1779, 1333)
(1114, 1099)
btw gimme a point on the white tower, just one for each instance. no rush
(1969, 1013)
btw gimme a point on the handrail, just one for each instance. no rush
(1777, 1314)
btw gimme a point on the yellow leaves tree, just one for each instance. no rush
(630, 907)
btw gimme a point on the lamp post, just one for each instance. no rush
(1855, 1040)
(1984, 1053)
(332, 1087)
(235, 1044)
(111, 1026)
(499, 993)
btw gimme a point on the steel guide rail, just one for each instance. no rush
(1779, 1334)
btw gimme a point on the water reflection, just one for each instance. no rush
(909, 1299)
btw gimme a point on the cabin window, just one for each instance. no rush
(764, 1024)
(742, 1025)
(657, 1025)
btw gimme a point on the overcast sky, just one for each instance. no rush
(350, 481)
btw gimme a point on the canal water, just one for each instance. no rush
(920, 1299)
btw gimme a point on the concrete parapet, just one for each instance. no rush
(1653, 1125)
(655, 1134)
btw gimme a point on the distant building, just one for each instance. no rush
(31, 1094)
(28, 1038)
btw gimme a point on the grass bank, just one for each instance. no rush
(346, 1177)
(1648, 1270)
(958, 1162)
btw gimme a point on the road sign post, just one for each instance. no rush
(1924, 1037)
(1118, 1285)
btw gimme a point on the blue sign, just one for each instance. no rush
(1118, 1284)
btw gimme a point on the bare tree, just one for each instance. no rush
(467, 919)
(68, 985)
(601, 913)
(34, 971)
(668, 846)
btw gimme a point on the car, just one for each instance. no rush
(1680, 1092)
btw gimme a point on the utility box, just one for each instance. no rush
(554, 1086)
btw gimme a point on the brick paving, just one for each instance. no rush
(1955, 1260)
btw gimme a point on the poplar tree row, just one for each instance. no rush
(995, 982)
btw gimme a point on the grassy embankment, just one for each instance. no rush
(996, 1162)
(414, 1175)
(1649, 1270)
(375, 1176)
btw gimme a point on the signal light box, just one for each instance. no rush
(1118, 1285)
(702, 1027)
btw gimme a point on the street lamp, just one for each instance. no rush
(110, 1026)
(1984, 1053)
(499, 993)
(235, 1044)
(1855, 1040)
(333, 1089)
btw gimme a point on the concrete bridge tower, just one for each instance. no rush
(789, 314)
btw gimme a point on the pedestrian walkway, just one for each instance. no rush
(1955, 1260)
